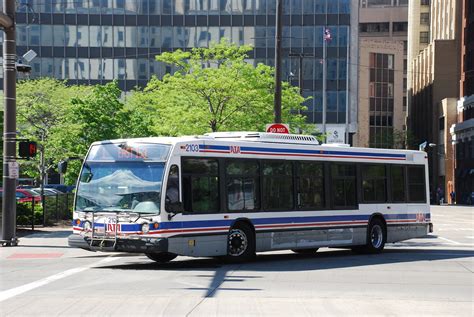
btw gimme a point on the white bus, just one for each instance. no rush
(237, 193)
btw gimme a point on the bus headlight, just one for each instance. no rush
(87, 226)
(145, 228)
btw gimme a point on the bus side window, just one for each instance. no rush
(416, 184)
(201, 185)
(344, 191)
(172, 186)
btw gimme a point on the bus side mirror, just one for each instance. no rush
(174, 207)
(62, 167)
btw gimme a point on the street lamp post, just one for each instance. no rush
(10, 166)
(279, 26)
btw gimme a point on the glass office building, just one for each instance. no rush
(95, 41)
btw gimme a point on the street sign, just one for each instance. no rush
(335, 135)
(13, 170)
(278, 128)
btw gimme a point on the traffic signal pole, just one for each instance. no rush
(10, 166)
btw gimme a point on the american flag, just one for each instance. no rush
(327, 35)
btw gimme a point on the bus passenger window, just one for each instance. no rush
(242, 185)
(172, 187)
(416, 184)
(397, 174)
(310, 185)
(277, 185)
(344, 185)
(200, 185)
(373, 184)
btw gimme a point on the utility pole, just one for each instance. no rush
(10, 166)
(278, 33)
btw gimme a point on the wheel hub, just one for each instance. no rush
(376, 236)
(237, 242)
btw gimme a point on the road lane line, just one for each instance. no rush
(450, 241)
(4, 295)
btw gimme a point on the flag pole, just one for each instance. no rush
(324, 83)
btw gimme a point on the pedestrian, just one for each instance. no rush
(439, 195)
(453, 197)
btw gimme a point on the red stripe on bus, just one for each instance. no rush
(311, 224)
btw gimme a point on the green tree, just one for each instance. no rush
(214, 89)
(41, 107)
(94, 116)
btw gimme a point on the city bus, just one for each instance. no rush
(233, 194)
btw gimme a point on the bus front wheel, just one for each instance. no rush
(162, 257)
(240, 243)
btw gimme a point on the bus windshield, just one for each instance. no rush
(120, 186)
(121, 180)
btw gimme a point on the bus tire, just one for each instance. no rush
(305, 251)
(162, 257)
(376, 238)
(240, 244)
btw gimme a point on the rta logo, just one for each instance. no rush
(420, 217)
(234, 149)
(112, 227)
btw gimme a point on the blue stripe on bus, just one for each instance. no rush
(260, 221)
(299, 151)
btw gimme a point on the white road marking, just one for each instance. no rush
(47, 280)
(450, 241)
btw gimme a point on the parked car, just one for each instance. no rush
(47, 191)
(61, 187)
(25, 195)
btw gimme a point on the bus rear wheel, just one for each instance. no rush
(162, 257)
(240, 243)
(305, 251)
(376, 238)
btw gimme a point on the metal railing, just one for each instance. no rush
(57, 209)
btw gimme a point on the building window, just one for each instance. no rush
(381, 92)
(425, 18)
(424, 37)
(374, 27)
(425, 2)
(379, 3)
(400, 26)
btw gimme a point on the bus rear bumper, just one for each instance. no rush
(149, 245)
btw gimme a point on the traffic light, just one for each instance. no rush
(27, 149)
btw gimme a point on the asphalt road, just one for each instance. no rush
(428, 276)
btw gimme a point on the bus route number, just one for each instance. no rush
(192, 148)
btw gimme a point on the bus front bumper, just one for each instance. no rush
(148, 245)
